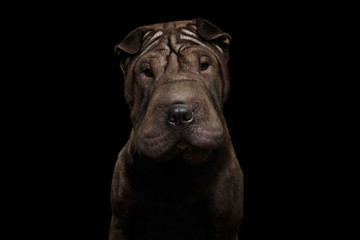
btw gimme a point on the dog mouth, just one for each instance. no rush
(182, 145)
(170, 142)
(183, 150)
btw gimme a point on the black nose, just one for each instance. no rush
(180, 115)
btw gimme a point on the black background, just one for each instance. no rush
(76, 120)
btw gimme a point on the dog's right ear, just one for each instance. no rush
(129, 46)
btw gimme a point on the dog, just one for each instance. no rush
(178, 176)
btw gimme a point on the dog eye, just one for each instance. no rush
(148, 72)
(204, 66)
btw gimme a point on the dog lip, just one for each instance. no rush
(183, 145)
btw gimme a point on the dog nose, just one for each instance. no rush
(180, 115)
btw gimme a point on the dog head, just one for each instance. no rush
(176, 82)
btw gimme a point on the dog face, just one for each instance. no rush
(176, 82)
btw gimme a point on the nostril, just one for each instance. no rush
(186, 115)
(179, 115)
(171, 117)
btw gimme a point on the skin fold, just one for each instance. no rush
(178, 176)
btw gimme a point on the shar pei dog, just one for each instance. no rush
(177, 177)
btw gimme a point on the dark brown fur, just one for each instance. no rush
(177, 177)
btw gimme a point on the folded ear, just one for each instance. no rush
(129, 46)
(209, 32)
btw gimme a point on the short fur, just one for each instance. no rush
(176, 179)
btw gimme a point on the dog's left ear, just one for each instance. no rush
(209, 32)
(129, 46)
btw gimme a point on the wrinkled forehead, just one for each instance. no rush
(171, 25)
(174, 35)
